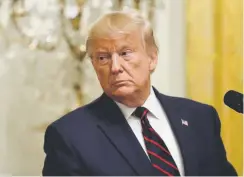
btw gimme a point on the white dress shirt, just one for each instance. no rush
(160, 124)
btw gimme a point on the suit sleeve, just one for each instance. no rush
(223, 166)
(60, 159)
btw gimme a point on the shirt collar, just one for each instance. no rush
(152, 104)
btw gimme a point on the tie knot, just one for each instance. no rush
(140, 112)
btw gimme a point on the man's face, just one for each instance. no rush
(122, 65)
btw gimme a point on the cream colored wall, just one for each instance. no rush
(36, 87)
(169, 76)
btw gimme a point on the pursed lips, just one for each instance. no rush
(119, 82)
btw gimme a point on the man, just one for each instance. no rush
(132, 129)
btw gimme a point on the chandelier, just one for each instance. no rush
(44, 24)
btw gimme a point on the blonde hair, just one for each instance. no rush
(123, 22)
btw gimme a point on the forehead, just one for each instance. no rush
(116, 42)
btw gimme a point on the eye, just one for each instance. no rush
(103, 58)
(126, 53)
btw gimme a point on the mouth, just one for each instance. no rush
(120, 83)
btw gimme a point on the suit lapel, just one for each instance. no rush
(184, 134)
(114, 125)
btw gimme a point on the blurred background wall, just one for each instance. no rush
(44, 72)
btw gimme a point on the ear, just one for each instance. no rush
(153, 60)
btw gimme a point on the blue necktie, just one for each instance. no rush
(158, 152)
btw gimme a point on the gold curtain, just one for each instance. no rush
(214, 64)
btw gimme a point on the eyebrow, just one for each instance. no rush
(102, 53)
(101, 49)
(124, 47)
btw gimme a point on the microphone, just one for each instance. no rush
(234, 100)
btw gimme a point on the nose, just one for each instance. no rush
(116, 65)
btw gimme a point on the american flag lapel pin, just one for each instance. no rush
(184, 122)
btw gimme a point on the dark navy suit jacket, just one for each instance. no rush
(97, 140)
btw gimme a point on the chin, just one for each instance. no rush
(122, 91)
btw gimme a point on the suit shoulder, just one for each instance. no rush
(78, 117)
(189, 103)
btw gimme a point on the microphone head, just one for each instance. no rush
(234, 100)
